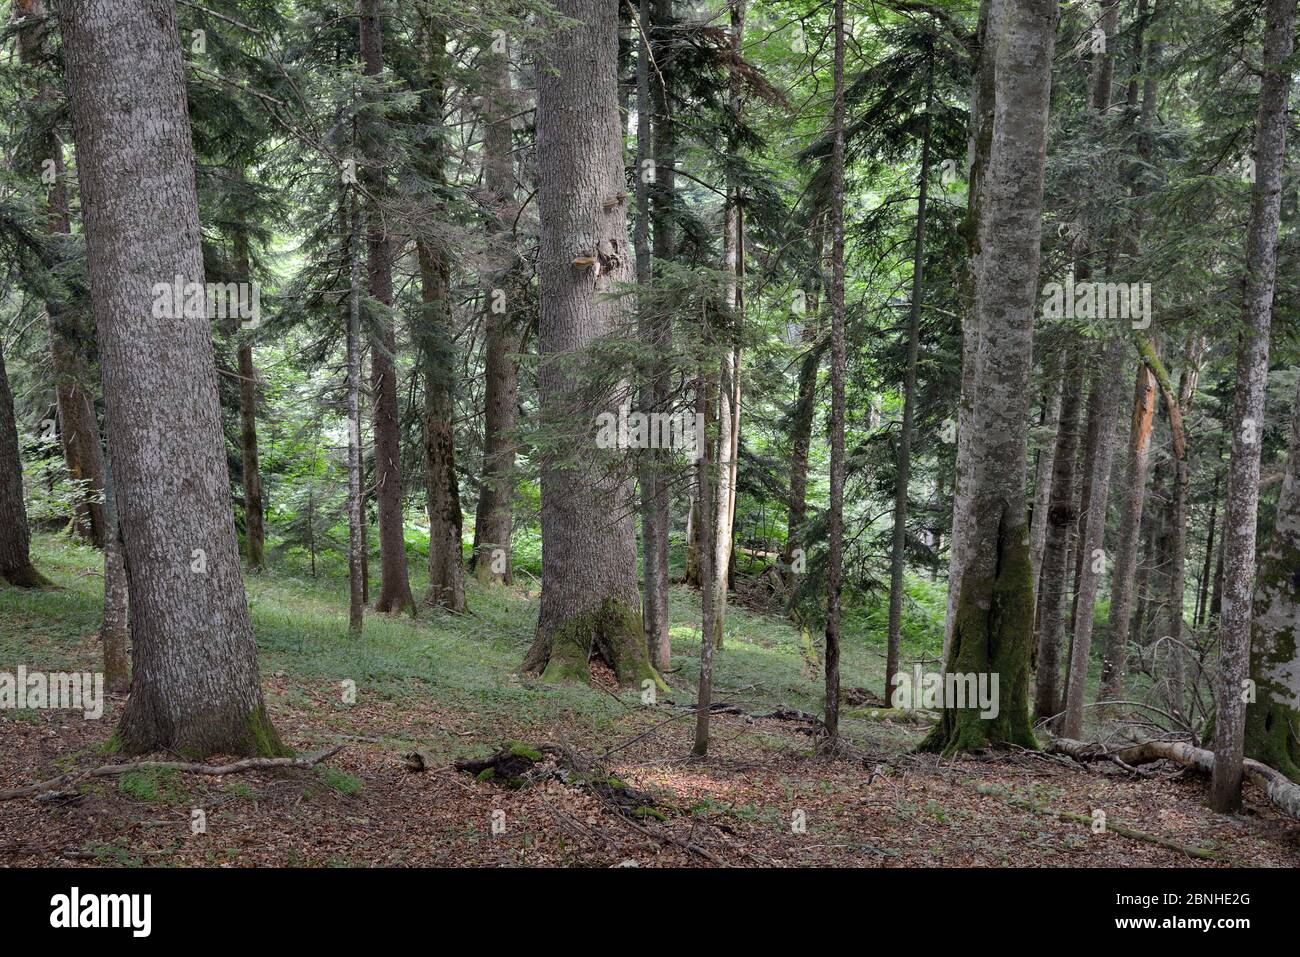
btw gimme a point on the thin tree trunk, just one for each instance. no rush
(1093, 541)
(898, 553)
(115, 630)
(1044, 470)
(1248, 413)
(254, 520)
(494, 516)
(195, 688)
(357, 545)
(835, 557)
(704, 476)
(1207, 566)
(394, 584)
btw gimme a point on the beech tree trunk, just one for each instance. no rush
(1248, 414)
(994, 616)
(1273, 718)
(1044, 468)
(394, 583)
(590, 603)
(195, 689)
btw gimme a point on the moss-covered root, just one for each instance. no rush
(255, 736)
(613, 632)
(992, 634)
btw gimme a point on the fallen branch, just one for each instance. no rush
(213, 770)
(1120, 829)
(1281, 790)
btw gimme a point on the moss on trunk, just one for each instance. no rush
(614, 633)
(992, 634)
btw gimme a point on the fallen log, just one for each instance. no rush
(212, 770)
(1281, 790)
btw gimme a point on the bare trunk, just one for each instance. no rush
(357, 545)
(195, 689)
(590, 604)
(394, 584)
(15, 537)
(1248, 416)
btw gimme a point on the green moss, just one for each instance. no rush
(487, 774)
(645, 811)
(520, 750)
(615, 633)
(263, 740)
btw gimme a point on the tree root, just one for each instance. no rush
(212, 770)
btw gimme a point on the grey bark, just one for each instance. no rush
(195, 687)
(1248, 413)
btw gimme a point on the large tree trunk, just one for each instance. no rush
(394, 585)
(1273, 718)
(590, 604)
(897, 560)
(1248, 413)
(78, 428)
(994, 617)
(195, 688)
(15, 537)
(494, 516)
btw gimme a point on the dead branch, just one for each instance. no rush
(212, 770)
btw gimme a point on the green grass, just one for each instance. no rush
(470, 663)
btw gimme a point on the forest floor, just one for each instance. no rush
(449, 688)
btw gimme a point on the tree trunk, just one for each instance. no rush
(835, 536)
(357, 544)
(1114, 664)
(1062, 520)
(254, 510)
(708, 581)
(1207, 565)
(114, 632)
(1273, 717)
(195, 689)
(898, 553)
(1248, 418)
(590, 604)
(15, 537)
(1044, 469)
(1093, 542)
(494, 516)
(394, 585)
(994, 616)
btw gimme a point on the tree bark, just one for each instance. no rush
(994, 617)
(1273, 717)
(590, 603)
(195, 689)
(1248, 417)
(357, 536)
(254, 509)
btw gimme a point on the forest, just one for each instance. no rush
(649, 433)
